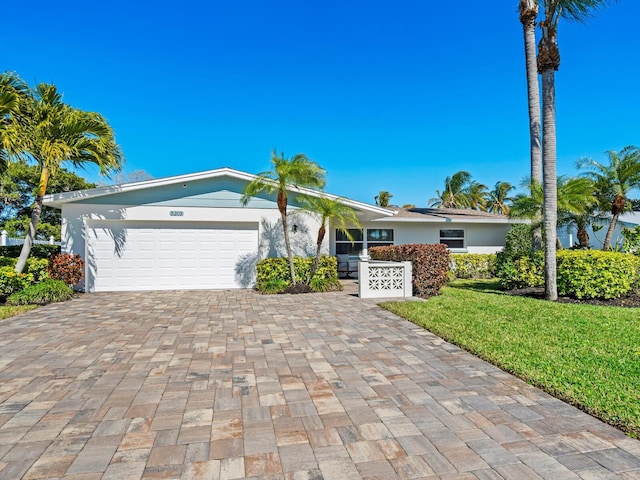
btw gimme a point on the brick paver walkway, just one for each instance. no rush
(208, 385)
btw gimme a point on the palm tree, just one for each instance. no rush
(382, 199)
(453, 195)
(548, 63)
(498, 199)
(613, 182)
(298, 171)
(334, 214)
(12, 91)
(48, 132)
(461, 191)
(528, 13)
(575, 197)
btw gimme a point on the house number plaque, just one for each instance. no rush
(176, 213)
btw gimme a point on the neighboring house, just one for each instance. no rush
(569, 237)
(191, 231)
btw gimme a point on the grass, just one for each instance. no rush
(7, 311)
(586, 355)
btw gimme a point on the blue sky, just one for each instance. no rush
(384, 97)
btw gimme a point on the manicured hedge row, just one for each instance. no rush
(430, 264)
(473, 265)
(581, 273)
(596, 274)
(273, 274)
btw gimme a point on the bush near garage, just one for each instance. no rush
(430, 264)
(42, 293)
(596, 274)
(273, 274)
(473, 265)
(66, 267)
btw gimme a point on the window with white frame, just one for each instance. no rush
(452, 238)
(349, 246)
(379, 237)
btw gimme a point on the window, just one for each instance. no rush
(344, 245)
(379, 237)
(452, 238)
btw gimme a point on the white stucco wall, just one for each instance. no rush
(479, 238)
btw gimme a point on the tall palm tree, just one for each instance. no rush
(498, 199)
(476, 195)
(548, 63)
(298, 171)
(48, 132)
(333, 214)
(575, 197)
(13, 91)
(528, 13)
(453, 195)
(613, 182)
(382, 199)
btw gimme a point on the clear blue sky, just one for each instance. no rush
(384, 97)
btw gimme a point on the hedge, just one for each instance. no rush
(473, 265)
(430, 264)
(596, 274)
(273, 274)
(581, 274)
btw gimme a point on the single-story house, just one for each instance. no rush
(192, 232)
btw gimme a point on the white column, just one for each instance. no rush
(3, 238)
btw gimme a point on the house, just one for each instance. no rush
(192, 232)
(569, 236)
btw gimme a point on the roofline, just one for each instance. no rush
(59, 199)
(469, 219)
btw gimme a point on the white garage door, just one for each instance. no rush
(123, 256)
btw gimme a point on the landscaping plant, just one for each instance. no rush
(42, 293)
(66, 267)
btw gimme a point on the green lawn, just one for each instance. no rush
(586, 355)
(7, 311)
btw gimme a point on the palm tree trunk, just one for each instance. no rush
(612, 226)
(316, 263)
(33, 224)
(550, 186)
(528, 15)
(282, 206)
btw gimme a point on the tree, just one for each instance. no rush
(298, 171)
(12, 92)
(575, 197)
(333, 214)
(548, 64)
(18, 190)
(460, 191)
(613, 183)
(48, 132)
(528, 13)
(498, 199)
(382, 199)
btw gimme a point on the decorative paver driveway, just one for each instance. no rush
(233, 384)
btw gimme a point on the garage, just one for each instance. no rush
(149, 255)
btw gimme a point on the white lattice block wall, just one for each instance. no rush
(384, 279)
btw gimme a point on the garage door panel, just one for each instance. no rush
(162, 257)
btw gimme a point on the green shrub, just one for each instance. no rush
(7, 262)
(596, 274)
(273, 274)
(473, 265)
(430, 264)
(521, 272)
(66, 267)
(38, 267)
(11, 282)
(518, 265)
(37, 250)
(42, 293)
